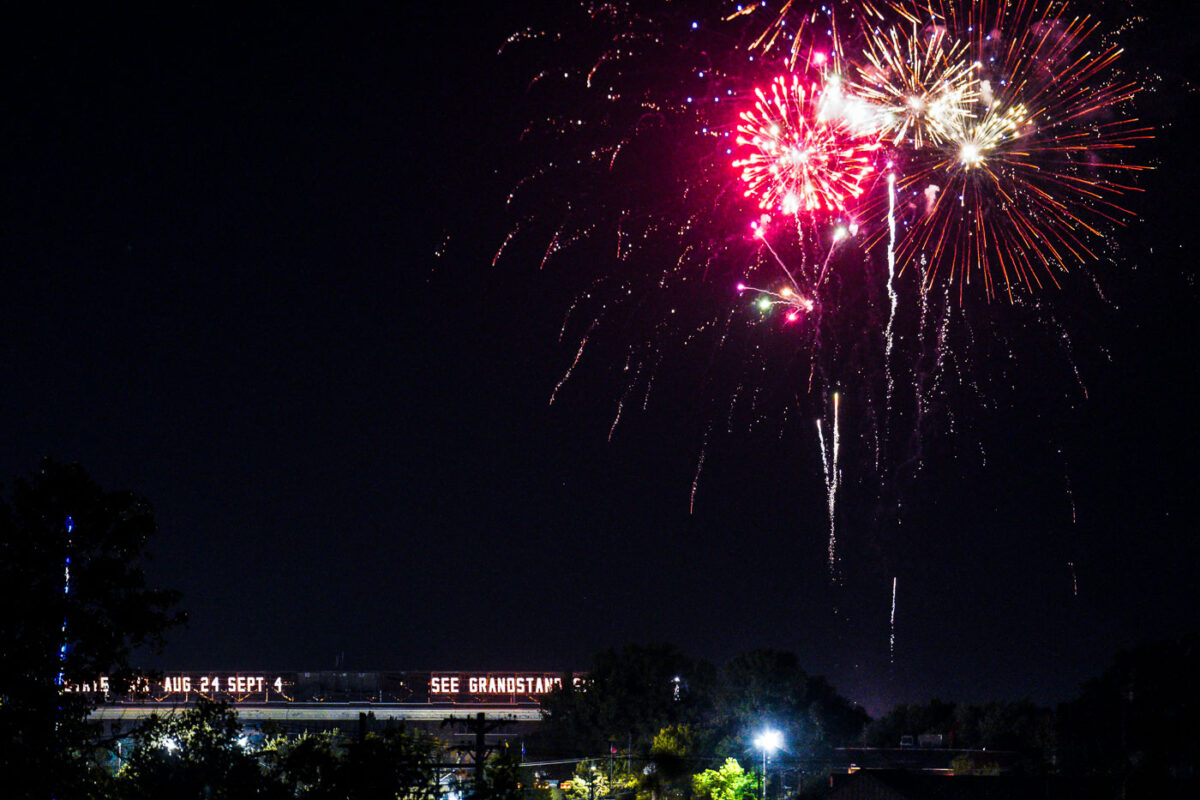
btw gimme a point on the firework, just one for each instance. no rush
(687, 155)
(1027, 174)
(803, 158)
(892, 626)
(829, 462)
(796, 304)
(1010, 123)
(919, 84)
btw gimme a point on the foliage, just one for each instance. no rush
(912, 719)
(627, 697)
(666, 774)
(633, 694)
(198, 753)
(768, 688)
(672, 750)
(500, 778)
(1135, 723)
(51, 636)
(306, 766)
(203, 753)
(1020, 727)
(592, 778)
(965, 765)
(728, 782)
(391, 764)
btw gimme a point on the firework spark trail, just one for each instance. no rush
(733, 401)
(551, 249)
(838, 235)
(892, 634)
(893, 298)
(1067, 481)
(62, 650)
(511, 235)
(1074, 579)
(699, 469)
(578, 355)
(761, 232)
(832, 480)
(630, 386)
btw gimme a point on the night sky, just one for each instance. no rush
(220, 239)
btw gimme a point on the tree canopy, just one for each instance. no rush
(77, 605)
(629, 695)
(635, 695)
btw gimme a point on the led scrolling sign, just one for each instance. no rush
(440, 688)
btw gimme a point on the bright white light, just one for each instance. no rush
(769, 740)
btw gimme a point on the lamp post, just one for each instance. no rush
(768, 741)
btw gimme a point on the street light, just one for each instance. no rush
(768, 741)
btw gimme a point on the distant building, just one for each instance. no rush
(294, 702)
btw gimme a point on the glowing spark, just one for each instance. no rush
(578, 355)
(796, 303)
(696, 477)
(891, 287)
(829, 460)
(892, 634)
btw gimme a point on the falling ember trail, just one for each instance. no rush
(696, 477)
(1074, 579)
(578, 355)
(1070, 493)
(891, 285)
(829, 460)
(892, 635)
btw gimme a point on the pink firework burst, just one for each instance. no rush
(804, 155)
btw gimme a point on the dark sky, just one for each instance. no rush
(220, 290)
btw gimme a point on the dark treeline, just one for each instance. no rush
(1132, 727)
(648, 722)
(631, 694)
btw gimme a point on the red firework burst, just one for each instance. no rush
(804, 156)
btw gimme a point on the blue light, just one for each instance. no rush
(70, 524)
(695, 25)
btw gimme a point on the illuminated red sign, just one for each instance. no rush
(474, 684)
(467, 688)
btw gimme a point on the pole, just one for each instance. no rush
(612, 749)
(764, 774)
